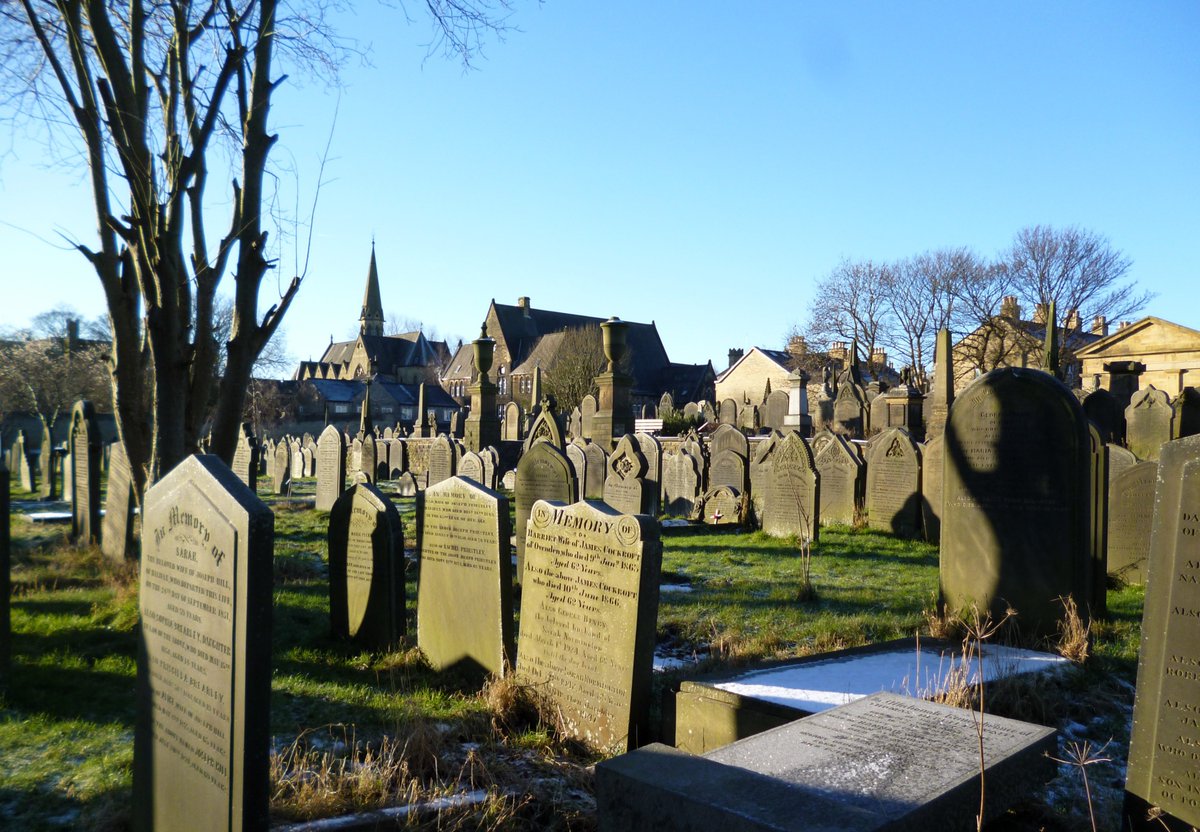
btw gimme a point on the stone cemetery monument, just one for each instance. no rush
(406, 485)
(464, 594)
(1098, 521)
(932, 456)
(775, 410)
(1164, 763)
(281, 479)
(587, 411)
(368, 460)
(117, 540)
(203, 733)
(1149, 421)
(543, 473)
(443, 461)
(491, 464)
(884, 762)
(759, 472)
(652, 450)
(597, 472)
(397, 458)
(1102, 409)
(85, 474)
(894, 484)
(1118, 460)
(722, 506)
(366, 569)
(245, 456)
(625, 486)
(545, 428)
(471, 467)
(727, 414)
(331, 468)
(48, 463)
(941, 396)
(1130, 511)
(482, 426)
(589, 606)
(1016, 492)
(1187, 413)
(614, 412)
(850, 408)
(297, 458)
(514, 421)
(792, 505)
(574, 451)
(681, 484)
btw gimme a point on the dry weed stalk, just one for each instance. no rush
(1074, 636)
(807, 591)
(1081, 755)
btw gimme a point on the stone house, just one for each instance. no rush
(1169, 355)
(745, 379)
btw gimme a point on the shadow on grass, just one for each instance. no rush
(42, 810)
(69, 693)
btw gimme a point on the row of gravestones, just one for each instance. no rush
(202, 732)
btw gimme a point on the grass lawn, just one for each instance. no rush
(356, 729)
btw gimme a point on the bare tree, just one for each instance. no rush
(45, 377)
(147, 93)
(577, 361)
(921, 299)
(852, 305)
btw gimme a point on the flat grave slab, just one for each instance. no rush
(713, 712)
(884, 762)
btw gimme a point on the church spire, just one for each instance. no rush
(370, 322)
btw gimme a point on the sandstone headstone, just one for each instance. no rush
(759, 472)
(597, 471)
(589, 608)
(368, 460)
(574, 451)
(406, 485)
(625, 486)
(727, 437)
(651, 449)
(850, 410)
(464, 594)
(1015, 521)
(245, 456)
(543, 473)
(1130, 512)
(1164, 766)
(728, 468)
(514, 421)
(49, 485)
(1098, 522)
(681, 485)
(691, 410)
(308, 461)
(442, 460)
(1149, 421)
(297, 457)
(587, 412)
(282, 475)
(397, 458)
(728, 413)
(117, 541)
(85, 473)
(575, 424)
(545, 428)
(932, 457)
(366, 568)
(471, 467)
(1118, 460)
(793, 500)
(722, 506)
(775, 410)
(894, 484)
(331, 468)
(203, 734)
(491, 464)
(1187, 413)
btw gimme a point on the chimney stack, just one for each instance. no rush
(1100, 326)
(1072, 321)
(1009, 308)
(1040, 313)
(837, 351)
(523, 305)
(735, 355)
(797, 346)
(879, 358)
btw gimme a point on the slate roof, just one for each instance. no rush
(409, 349)
(686, 381)
(403, 394)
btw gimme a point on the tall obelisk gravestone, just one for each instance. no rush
(614, 416)
(942, 395)
(483, 425)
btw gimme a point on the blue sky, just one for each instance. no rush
(701, 165)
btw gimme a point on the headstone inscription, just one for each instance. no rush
(202, 738)
(681, 485)
(625, 487)
(464, 593)
(442, 459)
(282, 475)
(894, 484)
(543, 473)
(1016, 527)
(1149, 421)
(331, 468)
(1130, 511)
(792, 505)
(245, 456)
(590, 602)
(85, 473)
(117, 540)
(1164, 767)
(366, 568)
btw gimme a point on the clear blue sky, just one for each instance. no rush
(702, 164)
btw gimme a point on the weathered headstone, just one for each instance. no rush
(589, 607)
(514, 421)
(397, 458)
(775, 410)
(728, 413)
(368, 460)
(491, 463)
(49, 484)
(1016, 524)
(574, 451)
(652, 450)
(471, 467)
(728, 468)
(1187, 413)
(722, 506)
(203, 735)
(759, 472)
(85, 473)
(843, 479)
(331, 468)
(20, 467)
(625, 486)
(932, 457)
(543, 473)
(587, 410)
(297, 458)
(1098, 522)
(681, 485)
(575, 424)
(1164, 763)
(942, 394)
(442, 460)
(245, 456)
(366, 568)
(894, 484)
(850, 410)
(597, 471)
(1149, 421)
(1102, 409)
(117, 540)
(1118, 460)
(793, 500)
(545, 428)
(691, 410)
(464, 594)
(406, 485)
(1130, 512)
(509, 480)
(282, 475)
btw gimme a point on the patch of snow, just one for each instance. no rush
(675, 588)
(675, 523)
(49, 516)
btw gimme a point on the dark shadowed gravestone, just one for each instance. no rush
(543, 473)
(48, 485)
(85, 473)
(202, 741)
(1164, 748)
(1103, 411)
(681, 484)
(894, 484)
(589, 605)
(625, 487)
(792, 505)
(729, 437)
(397, 458)
(652, 450)
(1149, 421)
(728, 468)
(932, 456)
(117, 541)
(464, 594)
(775, 410)
(1016, 525)
(366, 568)
(281, 479)
(1130, 512)
(368, 460)
(245, 456)
(331, 468)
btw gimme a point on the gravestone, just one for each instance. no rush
(406, 485)
(775, 410)
(514, 421)
(932, 456)
(354, 459)
(681, 485)
(509, 480)
(545, 428)
(49, 482)
(652, 451)
(793, 500)
(1118, 460)
(20, 468)
(708, 412)
(1130, 512)
(117, 541)
(471, 467)
(850, 410)
(759, 473)
(894, 484)
(1149, 421)
(543, 473)
(245, 456)
(691, 411)
(85, 473)
(464, 594)
(1098, 522)
(587, 412)
(843, 479)
(331, 468)
(589, 608)
(884, 762)
(722, 506)
(366, 569)
(1102, 409)
(941, 396)
(575, 453)
(1187, 413)
(282, 479)
(1164, 762)
(491, 463)
(575, 424)
(308, 461)
(203, 733)
(625, 486)
(597, 471)
(727, 437)
(442, 460)
(728, 468)
(297, 457)
(397, 458)
(1016, 527)
(368, 460)
(728, 413)
(268, 455)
